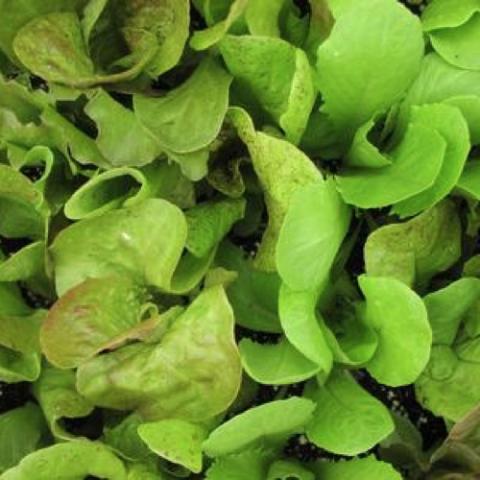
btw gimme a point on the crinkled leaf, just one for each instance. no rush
(87, 318)
(283, 86)
(56, 393)
(130, 241)
(198, 107)
(416, 250)
(278, 364)
(71, 460)
(52, 47)
(343, 407)
(393, 310)
(314, 227)
(177, 441)
(386, 49)
(177, 377)
(270, 422)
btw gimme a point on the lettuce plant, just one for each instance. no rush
(239, 239)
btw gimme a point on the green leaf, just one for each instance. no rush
(453, 31)
(281, 169)
(301, 326)
(386, 50)
(106, 191)
(177, 441)
(253, 294)
(347, 420)
(286, 470)
(317, 221)
(89, 318)
(359, 468)
(249, 464)
(393, 310)
(209, 222)
(52, 47)
(72, 460)
(446, 386)
(447, 308)
(422, 150)
(469, 181)
(22, 211)
(263, 18)
(198, 107)
(439, 81)
(283, 86)
(21, 431)
(270, 422)
(122, 139)
(203, 39)
(178, 377)
(18, 15)
(416, 250)
(56, 393)
(449, 122)
(278, 364)
(130, 241)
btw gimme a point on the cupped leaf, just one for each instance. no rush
(71, 460)
(453, 31)
(122, 139)
(253, 294)
(314, 227)
(56, 393)
(283, 86)
(386, 49)
(416, 250)
(130, 241)
(86, 319)
(393, 310)
(301, 326)
(360, 469)
(177, 441)
(21, 432)
(281, 168)
(277, 364)
(263, 18)
(108, 190)
(421, 150)
(343, 407)
(179, 376)
(203, 39)
(209, 222)
(198, 107)
(450, 123)
(270, 422)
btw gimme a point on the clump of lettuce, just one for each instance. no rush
(204, 201)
